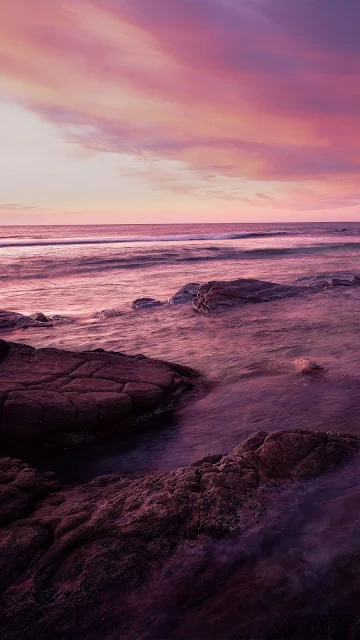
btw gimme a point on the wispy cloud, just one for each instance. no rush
(258, 91)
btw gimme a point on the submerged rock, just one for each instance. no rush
(343, 282)
(107, 558)
(50, 394)
(344, 279)
(144, 303)
(219, 295)
(108, 313)
(185, 294)
(57, 319)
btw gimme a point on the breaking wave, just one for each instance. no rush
(138, 239)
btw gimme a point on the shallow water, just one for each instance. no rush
(248, 353)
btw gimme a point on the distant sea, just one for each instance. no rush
(81, 269)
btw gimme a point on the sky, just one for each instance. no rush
(154, 111)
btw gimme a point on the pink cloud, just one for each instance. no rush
(265, 91)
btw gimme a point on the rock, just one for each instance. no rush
(215, 296)
(56, 318)
(308, 366)
(185, 294)
(144, 303)
(342, 282)
(49, 393)
(107, 558)
(10, 320)
(321, 284)
(40, 317)
(108, 313)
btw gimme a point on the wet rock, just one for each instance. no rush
(10, 320)
(308, 366)
(108, 313)
(58, 319)
(40, 317)
(343, 282)
(185, 294)
(145, 303)
(321, 284)
(216, 296)
(83, 561)
(49, 393)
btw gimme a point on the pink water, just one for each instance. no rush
(249, 353)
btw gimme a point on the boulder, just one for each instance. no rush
(51, 394)
(185, 294)
(145, 303)
(151, 556)
(218, 295)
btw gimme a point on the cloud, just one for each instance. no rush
(16, 207)
(262, 90)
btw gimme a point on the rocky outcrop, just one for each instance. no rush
(145, 303)
(186, 294)
(10, 320)
(218, 295)
(120, 556)
(64, 396)
(327, 280)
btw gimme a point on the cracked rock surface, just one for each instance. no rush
(50, 393)
(116, 557)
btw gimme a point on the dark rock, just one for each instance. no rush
(56, 318)
(10, 320)
(342, 282)
(108, 313)
(106, 559)
(40, 317)
(49, 393)
(185, 294)
(215, 296)
(144, 303)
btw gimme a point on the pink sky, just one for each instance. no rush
(179, 111)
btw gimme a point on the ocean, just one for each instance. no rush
(247, 354)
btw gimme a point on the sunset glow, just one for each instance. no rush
(178, 111)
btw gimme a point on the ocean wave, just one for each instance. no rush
(139, 239)
(44, 268)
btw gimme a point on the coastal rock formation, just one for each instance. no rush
(218, 295)
(131, 557)
(144, 303)
(10, 320)
(50, 393)
(186, 294)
